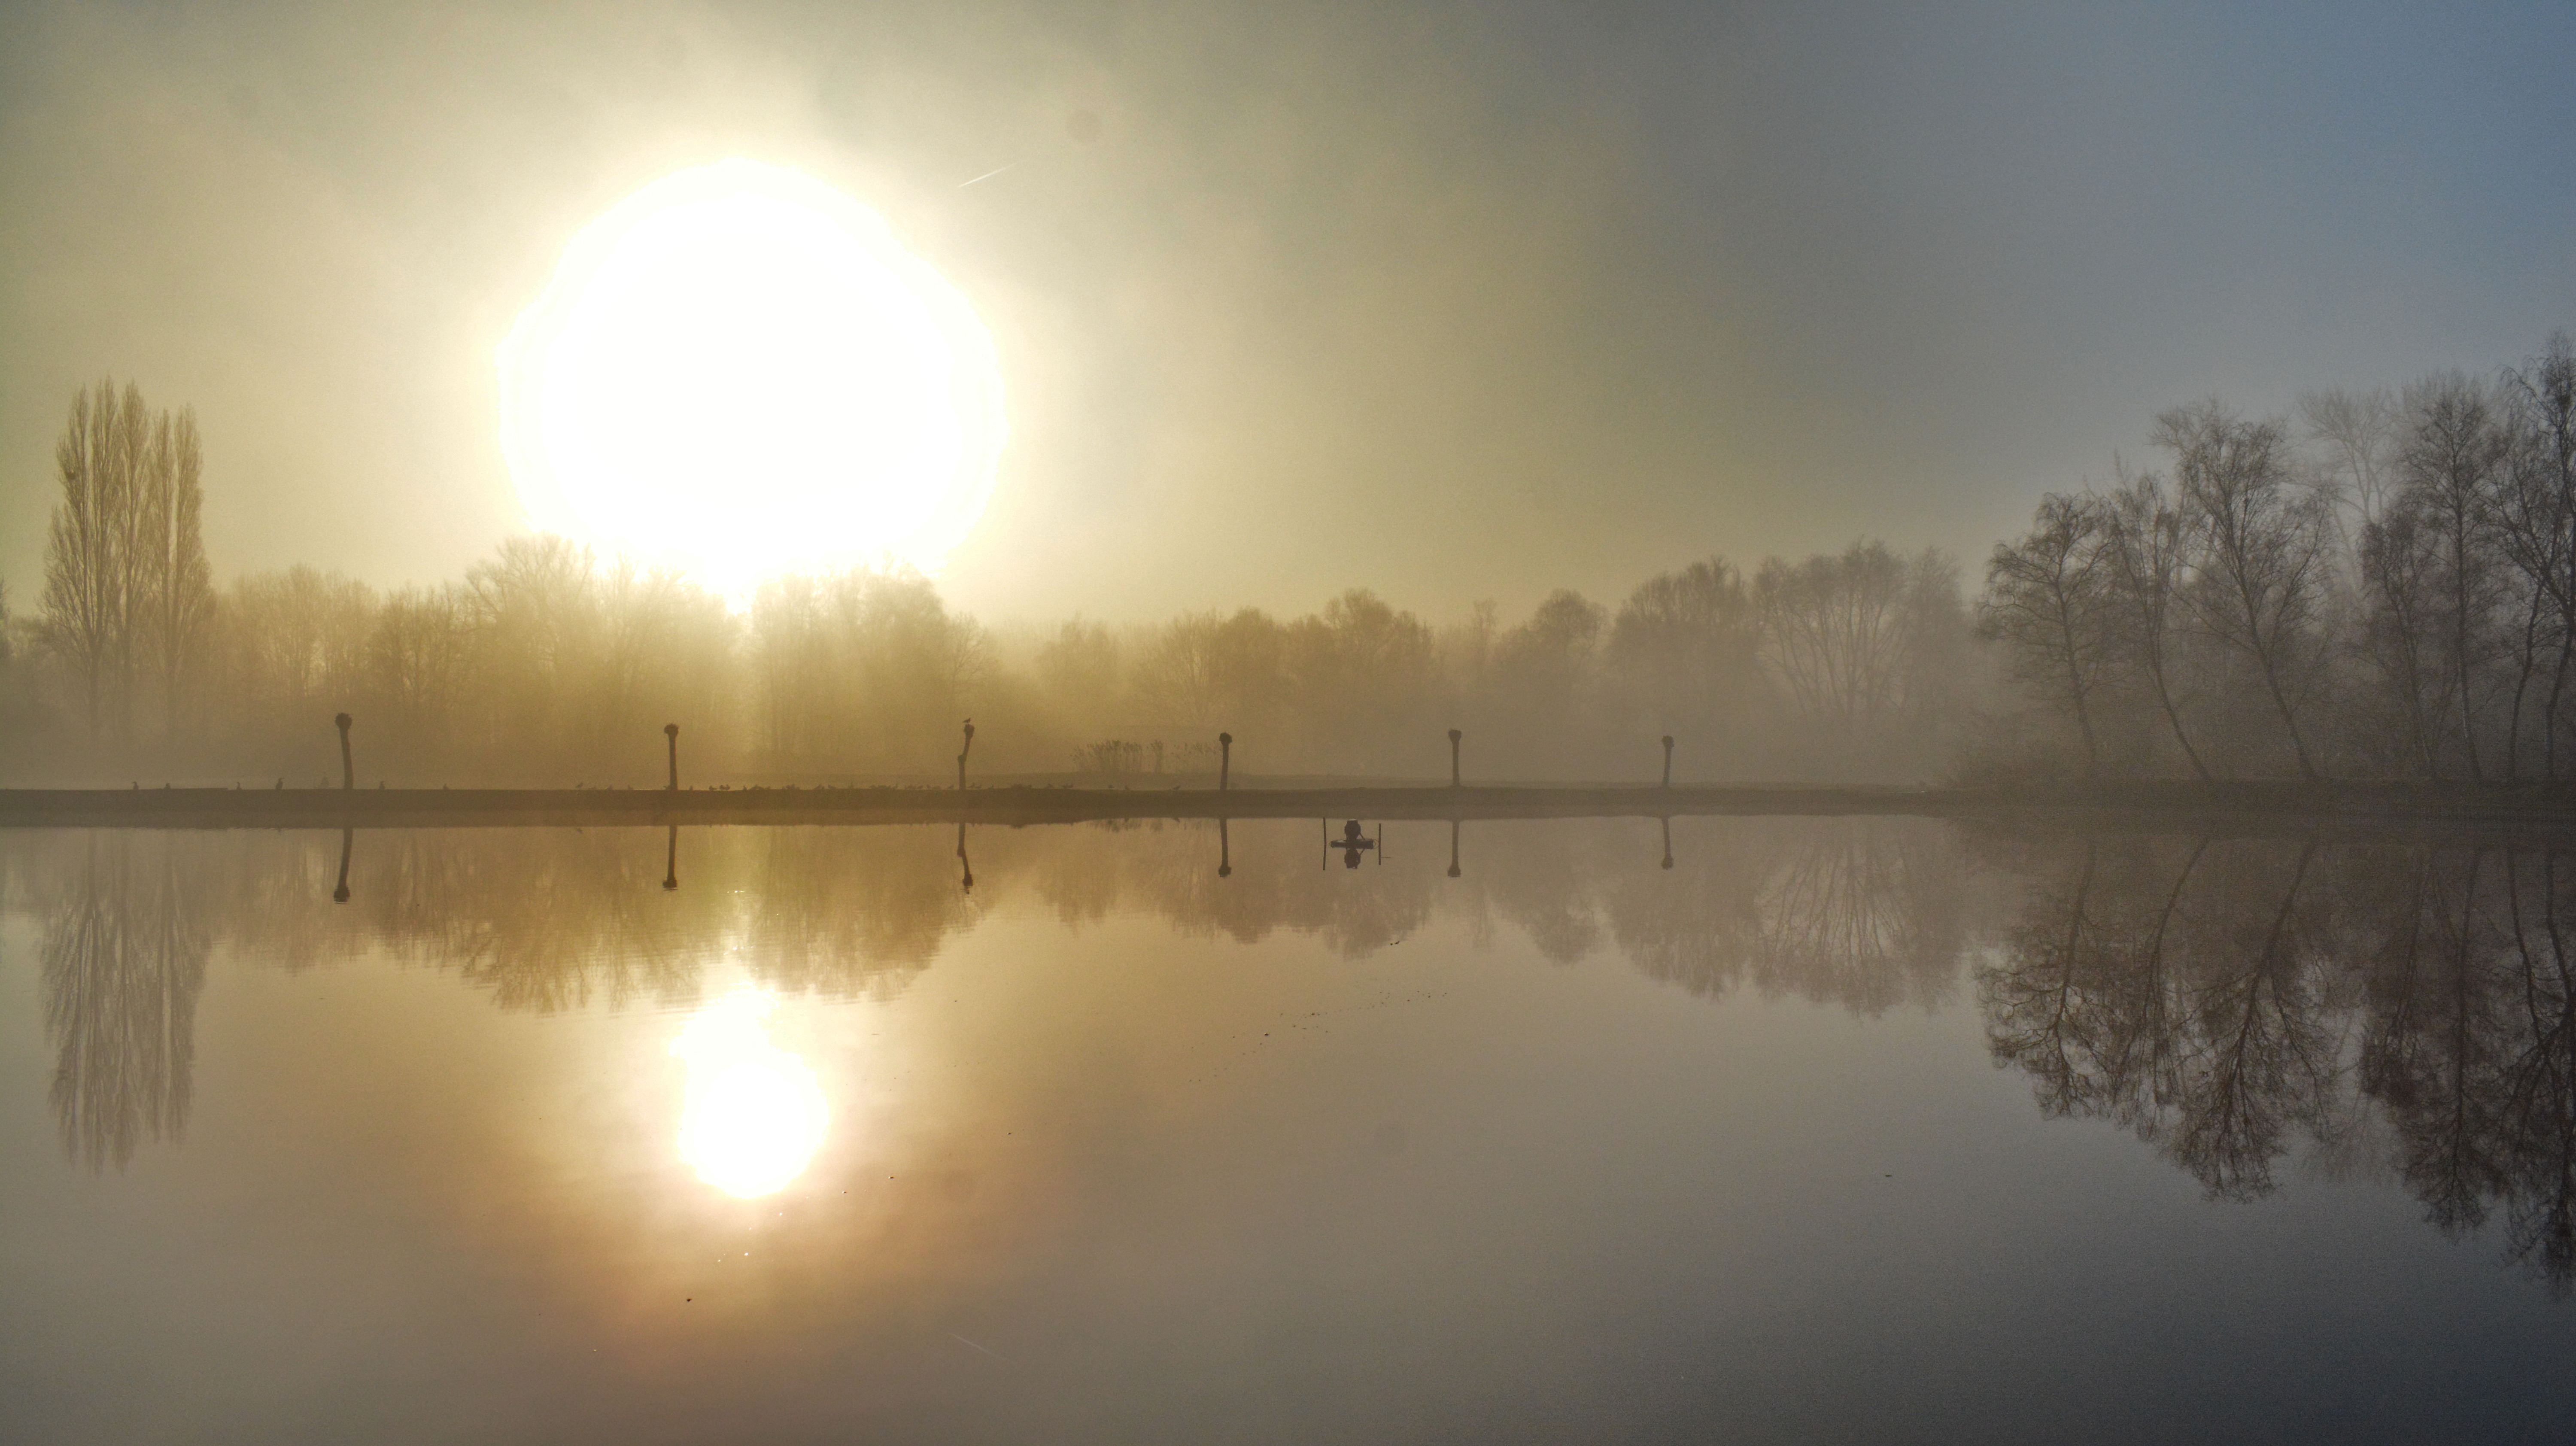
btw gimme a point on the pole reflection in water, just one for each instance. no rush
(754, 1114)
(671, 861)
(965, 866)
(909, 1170)
(340, 892)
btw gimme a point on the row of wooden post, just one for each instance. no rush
(1224, 757)
(1224, 766)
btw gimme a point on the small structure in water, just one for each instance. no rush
(1352, 844)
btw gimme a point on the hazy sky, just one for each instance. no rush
(1451, 301)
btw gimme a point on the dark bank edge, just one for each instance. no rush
(2546, 808)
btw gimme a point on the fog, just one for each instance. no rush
(2383, 588)
(1455, 306)
(2251, 1007)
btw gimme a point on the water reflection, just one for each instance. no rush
(753, 1114)
(2232, 1002)
(124, 958)
(2397, 1008)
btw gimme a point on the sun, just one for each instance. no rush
(753, 1115)
(740, 371)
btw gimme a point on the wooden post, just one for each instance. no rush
(1454, 736)
(672, 732)
(1668, 760)
(348, 773)
(961, 755)
(1224, 761)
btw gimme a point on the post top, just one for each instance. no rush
(671, 730)
(343, 719)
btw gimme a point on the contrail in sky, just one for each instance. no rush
(988, 175)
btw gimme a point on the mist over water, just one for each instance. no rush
(1298, 1129)
(1135, 722)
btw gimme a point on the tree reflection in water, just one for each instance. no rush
(1864, 913)
(2232, 1002)
(124, 957)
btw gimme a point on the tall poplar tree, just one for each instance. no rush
(126, 583)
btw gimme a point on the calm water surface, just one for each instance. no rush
(1764, 1130)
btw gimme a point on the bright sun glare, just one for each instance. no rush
(740, 371)
(753, 1114)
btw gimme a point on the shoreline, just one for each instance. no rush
(229, 808)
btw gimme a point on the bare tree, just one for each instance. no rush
(1547, 669)
(2357, 430)
(293, 644)
(1358, 647)
(176, 588)
(1687, 645)
(88, 613)
(126, 585)
(2145, 547)
(1179, 673)
(862, 670)
(417, 653)
(2532, 539)
(2399, 582)
(1835, 630)
(1082, 672)
(2451, 461)
(2537, 519)
(2261, 548)
(2049, 601)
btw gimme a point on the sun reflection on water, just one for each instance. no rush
(754, 1114)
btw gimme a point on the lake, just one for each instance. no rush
(1732, 1128)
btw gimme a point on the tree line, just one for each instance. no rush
(2384, 587)
(547, 664)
